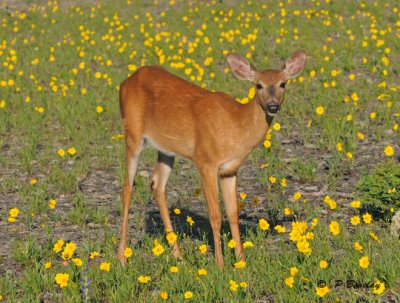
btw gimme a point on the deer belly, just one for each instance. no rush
(171, 146)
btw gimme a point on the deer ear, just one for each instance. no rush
(294, 65)
(241, 68)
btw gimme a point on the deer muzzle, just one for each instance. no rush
(273, 108)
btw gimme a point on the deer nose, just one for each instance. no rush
(273, 108)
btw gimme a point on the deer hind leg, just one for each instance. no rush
(133, 148)
(229, 193)
(159, 181)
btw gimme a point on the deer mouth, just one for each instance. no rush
(272, 109)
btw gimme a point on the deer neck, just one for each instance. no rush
(257, 121)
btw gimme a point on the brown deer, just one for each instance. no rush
(210, 128)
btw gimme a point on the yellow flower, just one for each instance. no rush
(47, 265)
(164, 295)
(252, 93)
(144, 279)
(304, 279)
(297, 195)
(309, 236)
(367, 218)
(374, 236)
(62, 279)
(303, 246)
(171, 238)
(72, 151)
(322, 291)
(289, 281)
(202, 272)
(243, 196)
(263, 224)
(132, 67)
(52, 203)
(272, 179)
(352, 77)
(61, 152)
(99, 109)
(105, 266)
(14, 212)
(355, 220)
(267, 144)
(233, 285)
(360, 136)
(177, 211)
(314, 222)
(232, 243)
(208, 61)
(283, 182)
(276, 126)
(354, 97)
(389, 151)
(243, 284)
(189, 220)
(372, 115)
(240, 264)
(339, 147)
(69, 250)
(203, 248)
(332, 203)
(334, 73)
(323, 264)
(174, 269)
(158, 250)
(94, 254)
(378, 288)
(128, 252)
(2, 104)
(287, 211)
(334, 227)
(294, 271)
(355, 204)
(364, 262)
(349, 155)
(358, 247)
(77, 261)
(58, 246)
(188, 295)
(248, 244)
(320, 110)
(280, 229)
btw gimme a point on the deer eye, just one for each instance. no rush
(259, 86)
(283, 84)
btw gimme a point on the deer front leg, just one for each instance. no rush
(210, 188)
(229, 193)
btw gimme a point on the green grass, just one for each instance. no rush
(60, 62)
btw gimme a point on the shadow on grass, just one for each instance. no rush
(201, 229)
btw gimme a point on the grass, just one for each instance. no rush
(60, 140)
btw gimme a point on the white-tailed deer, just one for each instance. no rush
(210, 128)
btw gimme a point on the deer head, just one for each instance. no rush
(270, 84)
